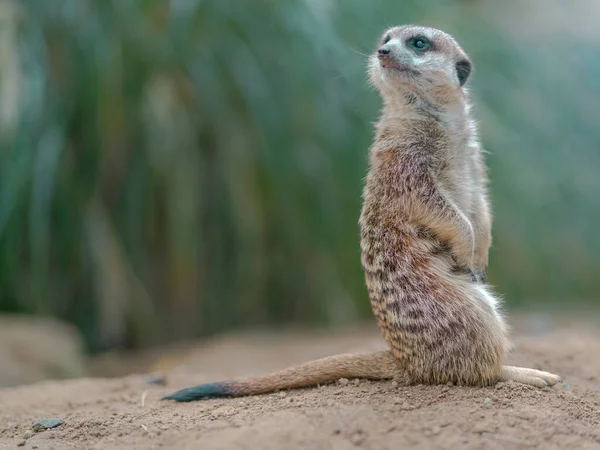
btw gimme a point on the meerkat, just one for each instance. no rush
(425, 230)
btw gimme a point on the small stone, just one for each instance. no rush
(356, 382)
(28, 434)
(46, 424)
(435, 430)
(394, 384)
(487, 402)
(357, 439)
(155, 378)
(450, 383)
(480, 428)
(21, 444)
(282, 394)
(344, 381)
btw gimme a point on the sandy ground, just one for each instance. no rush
(126, 413)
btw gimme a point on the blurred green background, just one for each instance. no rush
(171, 169)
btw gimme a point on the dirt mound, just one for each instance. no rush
(126, 413)
(35, 348)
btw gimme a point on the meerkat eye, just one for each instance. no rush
(420, 44)
(386, 39)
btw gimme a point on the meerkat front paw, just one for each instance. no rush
(463, 256)
(481, 275)
(463, 247)
(478, 276)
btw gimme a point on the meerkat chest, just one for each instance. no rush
(457, 178)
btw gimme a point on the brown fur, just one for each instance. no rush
(425, 227)
(377, 366)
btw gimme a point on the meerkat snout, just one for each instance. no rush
(390, 47)
(384, 51)
(392, 55)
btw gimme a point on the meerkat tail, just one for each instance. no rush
(378, 365)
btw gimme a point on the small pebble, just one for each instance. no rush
(487, 402)
(450, 383)
(46, 424)
(28, 434)
(344, 381)
(357, 439)
(282, 394)
(157, 379)
(21, 444)
(394, 384)
(356, 382)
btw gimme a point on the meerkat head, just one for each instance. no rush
(419, 60)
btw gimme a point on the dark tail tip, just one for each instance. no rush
(203, 391)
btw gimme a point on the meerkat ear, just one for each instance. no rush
(463, 70)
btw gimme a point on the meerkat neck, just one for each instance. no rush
(452, 113)
(411, 104)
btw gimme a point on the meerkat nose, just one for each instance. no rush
(384, 51)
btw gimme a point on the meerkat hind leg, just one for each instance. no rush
(533, 377)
